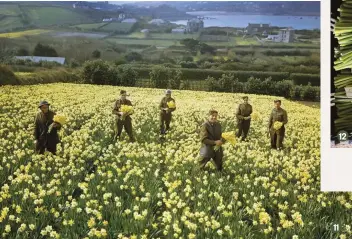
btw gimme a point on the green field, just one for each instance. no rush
(147, 42)
(90, 26)
(54, 15)
(9, 23)
(117, 26)
(170, 36)
(9, 10)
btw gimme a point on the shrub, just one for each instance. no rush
(310, 92)
(159, 76)
(304, 79)
(188, 64)
(98, 72)
(22, 52)
(162, 77)
(44, 50)
(127, 76)
(133, 56)
(74, 63)
(96, 54)
(7, 77)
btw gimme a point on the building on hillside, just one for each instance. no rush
(122, 16)
(145, 32)
(286, 35)
(178, 30)
(60, 60)
(130, 20)
(255, 28)
(158, 22)
(194, 25)
(81, 5)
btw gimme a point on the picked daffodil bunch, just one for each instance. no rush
(58, 119)
(126, 110)
(171, 104)
(277, 125)
(229, 137)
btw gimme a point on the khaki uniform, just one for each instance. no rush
(44, 140)
(243, 110)
(120, 124)
(165, 116)
(209, 133)
(277, 136)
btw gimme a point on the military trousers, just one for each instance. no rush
(127, 124)
(44, 144)
(243, 128)
(165, 120)
(208, 153)
(277, 137)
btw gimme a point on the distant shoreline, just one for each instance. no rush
(300, 14)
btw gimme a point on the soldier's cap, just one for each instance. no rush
(168, 91)
(277, 101)
(43, 103)
(245, 97)
(123, 92)
(212, 111)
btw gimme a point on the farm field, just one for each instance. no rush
(147, 42)
(90, 26)
(10, 22)
(151, 190)
(53, 15)
(24, 33)
(117, 26)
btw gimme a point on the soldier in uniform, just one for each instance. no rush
(43, 139)
(165, 112)
(243, 116)
(127, 121)
(277, 136)
(210, 136)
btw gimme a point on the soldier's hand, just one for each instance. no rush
(218, 142)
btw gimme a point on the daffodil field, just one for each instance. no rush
(97, 188)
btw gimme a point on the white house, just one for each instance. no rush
(158, 22)
(178, 30)
(130, 20)
(285, 35)
(60, 60)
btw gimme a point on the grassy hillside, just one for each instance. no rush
(20, 15)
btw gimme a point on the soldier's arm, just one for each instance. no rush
(251, 110)
(161, 104)
(270, 120)
(204, 136)
(238, 113)
(285, 118)
(116, 109)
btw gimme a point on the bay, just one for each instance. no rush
(232, 19)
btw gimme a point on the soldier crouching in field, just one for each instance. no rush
(43, 138)
(277, 136)
(166, 112)
(243, 115)
(210, 136)
(123, 120)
